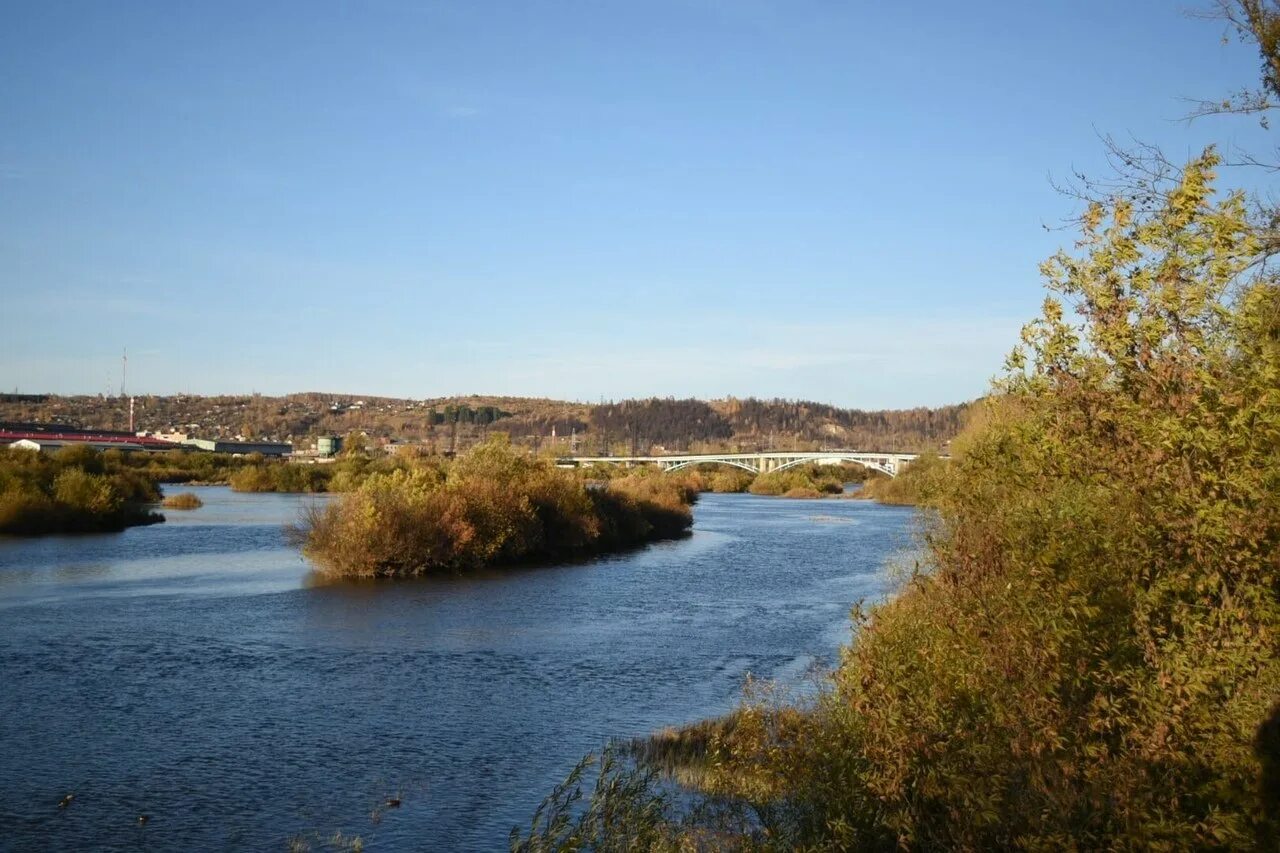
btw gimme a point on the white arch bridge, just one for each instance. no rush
(756, 463)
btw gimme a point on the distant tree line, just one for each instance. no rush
(667, 422)
(758, 424)
(464, 414)
(902, 429)
(459, 423)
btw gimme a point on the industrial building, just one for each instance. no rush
(266, 448)
(48, 445)
(50, 437)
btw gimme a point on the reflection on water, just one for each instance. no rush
(191, 672)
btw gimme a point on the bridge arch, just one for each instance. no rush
(731, 462)
(874, 466)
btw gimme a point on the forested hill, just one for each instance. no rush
(784, 424)
(639, 426)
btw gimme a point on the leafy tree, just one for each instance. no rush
(355, 443)
(1088, 658)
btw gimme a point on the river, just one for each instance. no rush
(194, 672)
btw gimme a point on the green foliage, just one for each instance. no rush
(75, 489)
(282, 477)
(1087, 658)
(723, 479)
(916, 484)
(805, 481)
(355, 444)
(492, 506)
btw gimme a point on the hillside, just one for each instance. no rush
(629, 426)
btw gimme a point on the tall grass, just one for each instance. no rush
(182, 500)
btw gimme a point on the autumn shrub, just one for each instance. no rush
(916, 484)
(27, 512)
(82, 492)
(802, 492)
(183, 500)
(282, 477)
(730, 482)
(636, 509)
(294, 477)
(493, 506)
(183, 466)
(804, 481)
(253, 478)
(1086, 658)
(75, 489)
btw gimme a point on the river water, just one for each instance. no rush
(194, 672)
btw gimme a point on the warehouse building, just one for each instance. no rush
(266, 448)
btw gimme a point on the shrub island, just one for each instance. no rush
(495, 506)
(183, 500)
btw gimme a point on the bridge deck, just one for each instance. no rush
(888, 463)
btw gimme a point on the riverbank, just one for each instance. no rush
(1085, 653)
(221, 681)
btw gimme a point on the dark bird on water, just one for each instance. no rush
(393, 802)
(143, 818)
(66, 801)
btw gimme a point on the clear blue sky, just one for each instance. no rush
(841, 201)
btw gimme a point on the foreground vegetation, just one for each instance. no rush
(1086, 658)
(496, 505)
(915, 485)
(74, 490)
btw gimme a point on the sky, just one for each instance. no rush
(582, 199)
